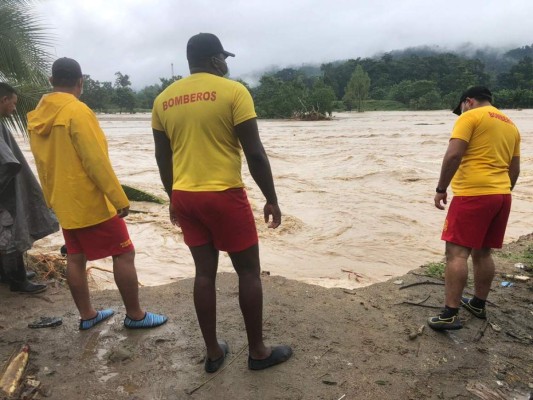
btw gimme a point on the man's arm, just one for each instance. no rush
(450, 164)
(259, 167)
(163, 156)
(514, 171)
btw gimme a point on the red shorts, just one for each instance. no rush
(477, 221)
(224, 218)
(109, 238)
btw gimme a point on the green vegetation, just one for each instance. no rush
(384, 105)
(24, 61)
(413, 79)
(287, 95)
(525, 257)
(134, 194)
(357, 89)
(435, 269)
(119, 97)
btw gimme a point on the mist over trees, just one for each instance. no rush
(415, 79)
(421, 78)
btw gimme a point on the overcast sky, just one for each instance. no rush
(142, 38)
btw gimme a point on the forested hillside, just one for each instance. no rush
(414, 79)
(421, 78)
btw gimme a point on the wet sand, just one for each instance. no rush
(356, 193)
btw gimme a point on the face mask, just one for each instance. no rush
(463, 107)
(220, 66)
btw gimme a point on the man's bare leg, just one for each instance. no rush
(456, 273)
(77, 283)
(247, 266)
(205, 296)
(483, 272)
(126, 279)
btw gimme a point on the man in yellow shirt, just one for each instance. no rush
(80, 185)
(482, 163)
(199, 125)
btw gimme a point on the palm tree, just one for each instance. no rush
(24, 61)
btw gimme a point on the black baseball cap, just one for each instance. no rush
(66, 68)
(205, 45)
(475, 92)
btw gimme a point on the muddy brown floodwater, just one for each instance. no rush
(356, 194)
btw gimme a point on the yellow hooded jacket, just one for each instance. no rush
(72, 160)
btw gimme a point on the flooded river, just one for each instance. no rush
(356, 194)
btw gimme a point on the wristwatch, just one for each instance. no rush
(439, 190)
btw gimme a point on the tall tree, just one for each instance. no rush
(357, 89)
(24, 60)
(124, 96)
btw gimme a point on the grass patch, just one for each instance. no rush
(134, 194)
(504, 254)
(525, 257)
(435, 269)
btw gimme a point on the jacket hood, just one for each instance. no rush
(41, 120)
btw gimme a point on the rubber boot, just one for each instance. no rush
(5, 279)
(15, 271)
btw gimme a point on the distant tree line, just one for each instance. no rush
(407, 80)
(414, 79)
(118, 96)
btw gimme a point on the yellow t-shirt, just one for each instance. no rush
(198, 114)
(493, 140)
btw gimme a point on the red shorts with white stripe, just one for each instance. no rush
(109, 238)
